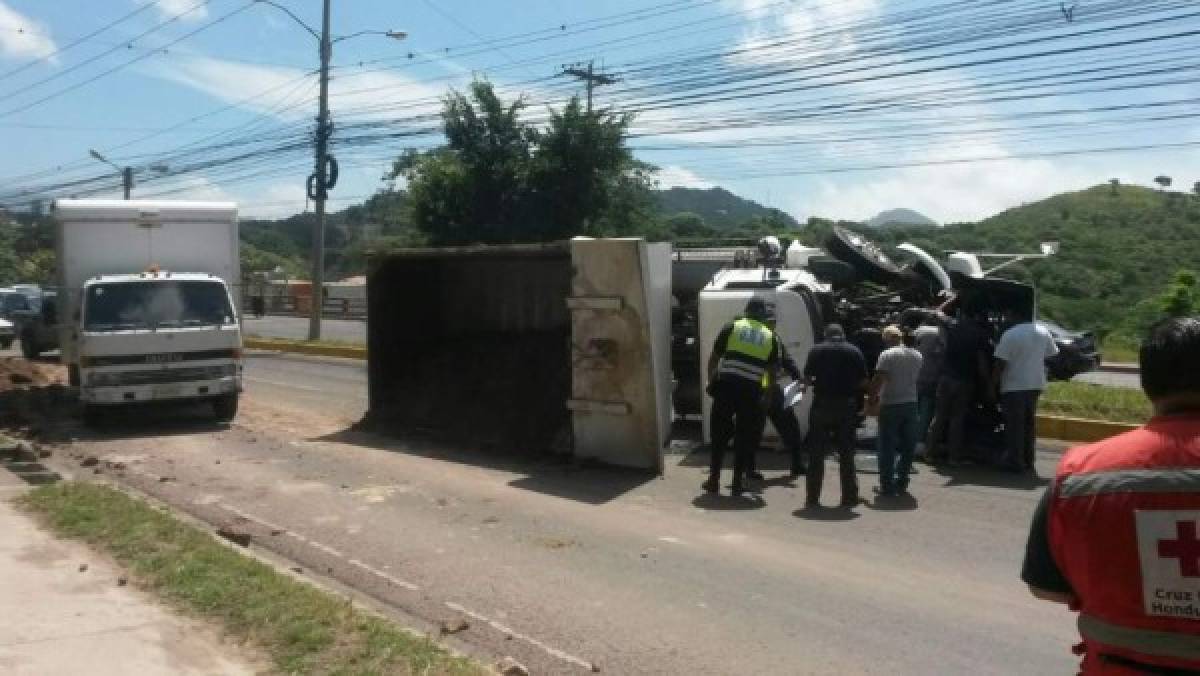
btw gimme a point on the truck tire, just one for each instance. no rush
(29, 347)
(93, 416)
(225, 407)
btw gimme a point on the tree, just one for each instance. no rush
(499, 179)
(1164, 182)
(1182, 298)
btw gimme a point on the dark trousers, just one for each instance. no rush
(926, 404)
(954, 401)
(737, 414)
(897, 439)
(832, 424)
(788, 427)
(1020, 427)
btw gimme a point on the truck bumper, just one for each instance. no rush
(127, 394)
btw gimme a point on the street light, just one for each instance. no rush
(324, 175)
(126, 172)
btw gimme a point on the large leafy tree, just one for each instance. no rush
(501, 179)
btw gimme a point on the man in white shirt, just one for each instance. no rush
(894, 391)
(1020, 376)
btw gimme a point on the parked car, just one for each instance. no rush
(37, 326)
(7, 334)
(1077, 352)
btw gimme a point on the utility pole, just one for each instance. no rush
(590, 78)
(325, 169)
(319, 184)
(126, 172)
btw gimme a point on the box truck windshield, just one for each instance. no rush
(155, 304)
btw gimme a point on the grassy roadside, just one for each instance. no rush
(316, 343)
(1118, 350)
(1095, 402)
(302, 629)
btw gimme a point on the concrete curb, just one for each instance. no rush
(1079, 429)
(300, 347)
(1120, 368)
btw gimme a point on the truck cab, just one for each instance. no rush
(158, 336)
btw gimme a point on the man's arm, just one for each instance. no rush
(718, 351)
(877, 383)
(1039, 570)
(787, 363)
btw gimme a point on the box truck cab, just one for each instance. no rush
(145, 300)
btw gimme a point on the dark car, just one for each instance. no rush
(1077, 352)
(37, 325)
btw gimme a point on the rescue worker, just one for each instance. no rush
(1117, 535)
(740, 369)
(837, 373)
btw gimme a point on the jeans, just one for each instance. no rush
(897, 439)
(1020, 427)
(832, 422)
(737, 414)
(954, 401)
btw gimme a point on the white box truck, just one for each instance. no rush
(145, 303)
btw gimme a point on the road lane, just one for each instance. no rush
(583, 565)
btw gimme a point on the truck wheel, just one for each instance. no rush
(225, 407)
(93, 416)
(29, 347)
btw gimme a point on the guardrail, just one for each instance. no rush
(332, 308)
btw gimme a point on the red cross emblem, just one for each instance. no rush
(1185, 547)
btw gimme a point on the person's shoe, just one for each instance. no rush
(885, 492)
(757, 476)
(850, 502)
(901, 488)
(709, 486)
(737, 491)
(812, 504)
(796, 474)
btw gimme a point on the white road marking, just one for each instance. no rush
(384, 576)
(552, 651)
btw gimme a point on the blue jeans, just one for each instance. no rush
(897, 440)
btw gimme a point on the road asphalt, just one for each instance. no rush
(571, 569)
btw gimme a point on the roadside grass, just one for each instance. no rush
(1095, 402)
(1119, 350)
(302, 629)
(315, 343)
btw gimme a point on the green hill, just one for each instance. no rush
(719, 209)
(1119, 248)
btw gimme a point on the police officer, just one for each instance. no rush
(1117, 535)
(740, 368)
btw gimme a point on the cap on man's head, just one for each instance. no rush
(834, 331)
(757, 308)
(893, 332)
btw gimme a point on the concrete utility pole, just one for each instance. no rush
(590, 79)
(319, 183)
(126, 172)
(325, 167)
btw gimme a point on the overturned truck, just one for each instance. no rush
(560, 348)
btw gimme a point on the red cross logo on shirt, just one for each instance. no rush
(1186, 548)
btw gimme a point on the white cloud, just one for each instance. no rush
(22, 37)
(186, 10)
(675, 176)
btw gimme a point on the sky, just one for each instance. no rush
(832, 108)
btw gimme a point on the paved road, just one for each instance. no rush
(296, 328)
(564, 567)
(1110, 378)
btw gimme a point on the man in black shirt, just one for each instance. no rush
(964, 378)
(836, 372)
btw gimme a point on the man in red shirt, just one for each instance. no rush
(1117, 535)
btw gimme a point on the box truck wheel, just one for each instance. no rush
(225, 407)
